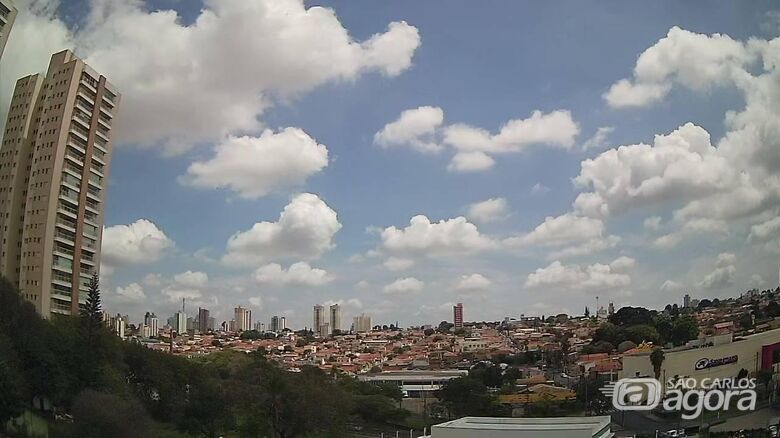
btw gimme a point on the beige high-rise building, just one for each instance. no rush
(335, 318)
(54, 160)
(7, 17)
(243, 319)
(361, 323)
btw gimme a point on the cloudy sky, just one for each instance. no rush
(399, 157)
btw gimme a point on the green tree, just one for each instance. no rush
(12, 398)
(627, 316)
(98, 415)
(467, 396)
(684, 329)
(642, 333)
(91, 313)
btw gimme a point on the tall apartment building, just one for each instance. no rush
(151, 321)
(361, 323)
(457, 315)
(54, 160)
(319, 318)
(180, 322)
(7, 17)
(243, 319)
(282, 323)
(203, 320)
(335, 318)
(275, 324)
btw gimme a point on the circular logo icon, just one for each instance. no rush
(702, 364)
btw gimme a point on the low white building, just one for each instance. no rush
(556, 427)
(721, 358)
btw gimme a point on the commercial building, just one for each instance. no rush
(361, 323)
(243, 319)
(457, 315)
(282, 323)
(7, 17)
(54, 160)
(335, 318)
(553, 427)
(716, 357)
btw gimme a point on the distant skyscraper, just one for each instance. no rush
(361, 323)
(203, 320)
(611, 308)
(54, 161)
(335, 318)
(180, 322)
(7, 17)
(275, 324)
(282, 323)
(118, 325)
(150, 320)
(243, 319)
(457, 315)
(319, 318)
(686, 301)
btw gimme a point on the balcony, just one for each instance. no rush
(63, 264)
(74, 170)
(103, 133)
(70, 195)
(81, 119)
(105, 121)
(67, 210)
(96, 180)
(72, 182)
(94, 192)
(94, 206)
(84, 105)
(77, 144)
(63, 236)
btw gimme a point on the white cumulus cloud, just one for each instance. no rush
(298, 274)
(455, 236)
(305, 229)
(136, 243)
(415, 127)
(489, 210)
(256, 166)
(405, 286)
(473, 283)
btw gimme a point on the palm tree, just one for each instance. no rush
(657, 359)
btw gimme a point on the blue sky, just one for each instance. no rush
(482, 67)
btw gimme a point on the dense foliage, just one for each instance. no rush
(122, 389)
(634, 325)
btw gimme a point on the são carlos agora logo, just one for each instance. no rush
(689, 396)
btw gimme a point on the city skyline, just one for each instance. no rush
(397, 180)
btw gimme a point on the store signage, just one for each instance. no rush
(705, 363)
